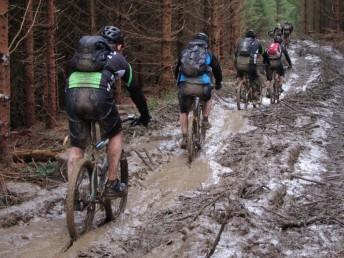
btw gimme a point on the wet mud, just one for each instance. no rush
(268, 182)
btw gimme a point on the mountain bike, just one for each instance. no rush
(286, 40)
(196, 130)
(86, 187)
(246, 93)
(275, 88)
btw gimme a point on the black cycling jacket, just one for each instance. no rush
(117, 67)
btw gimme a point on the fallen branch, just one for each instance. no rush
(37, 155)
(308, 180)
(217, 240)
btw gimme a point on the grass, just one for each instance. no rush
(45, 169)
(169, 97)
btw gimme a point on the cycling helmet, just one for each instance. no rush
(250, 34)
(113, 34)
(278, 39)
(202, 36)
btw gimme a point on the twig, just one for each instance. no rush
(218, 237)
(206, 205)
(143, 160)
(308, 180)
(273, 212)
(148, 156)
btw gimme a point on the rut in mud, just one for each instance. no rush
(268, 183)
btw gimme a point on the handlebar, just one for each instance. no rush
(102, 143)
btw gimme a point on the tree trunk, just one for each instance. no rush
(337, 14)
(30, 116)
(93, 16)
(305, 16)
(5, 89)
(166, 72)
(51, 88)
(118, 22)
(216, 27)
(316, 17)
(278, 11)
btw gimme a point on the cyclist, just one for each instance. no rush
(89, 97)
(247, 52)
(287, 29)
(191, 83)
(275, 52)
(278, 30)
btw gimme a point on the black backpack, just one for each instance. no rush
(245, 47)
(91, 54)
(194, 59)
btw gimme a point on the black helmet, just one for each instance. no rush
(113, 34)
(278, 39)
(250, 34)
(202, 36)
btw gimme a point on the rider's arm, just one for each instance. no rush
(176, 69)
(136, 95)
(216, 69)
(285, 52)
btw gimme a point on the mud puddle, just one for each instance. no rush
(247, 195)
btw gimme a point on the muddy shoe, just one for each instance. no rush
(205, 123)
(184, 142)
(115, 189)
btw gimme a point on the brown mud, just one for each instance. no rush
(268, 183)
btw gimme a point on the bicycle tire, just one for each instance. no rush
(114, 207)
(260, 103)
(190, 139)
(278, 93)
(247, 96)
(238, 96)
(75, 227)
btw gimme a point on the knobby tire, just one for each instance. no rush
(190, 140)
(75, 229)
(114, 207)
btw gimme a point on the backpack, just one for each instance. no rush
(287, 28)
(245, 46)
(91, 54)
(274, 51)
(194, 59)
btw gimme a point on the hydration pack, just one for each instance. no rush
(194, 59)
(91, 54)
(274, 51)
(287, 28)
(245, 46)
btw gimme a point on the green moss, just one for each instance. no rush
(168, 97)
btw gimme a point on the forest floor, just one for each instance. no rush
(268, 183)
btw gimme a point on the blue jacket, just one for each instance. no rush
(206, 78)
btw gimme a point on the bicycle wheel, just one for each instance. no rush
(190, 140)
(238, 96)
(115, 206)
(277, 92)
(260, 102)
(79, 207)
(246, 91)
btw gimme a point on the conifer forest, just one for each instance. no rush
(266, 182)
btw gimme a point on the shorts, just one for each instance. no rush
(87, 105)
(252, 73)
(279, 70)
(188, 91)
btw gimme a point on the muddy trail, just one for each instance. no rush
(268, 183)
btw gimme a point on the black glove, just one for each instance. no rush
(218, 86)
(141, 121)
(290, 67)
